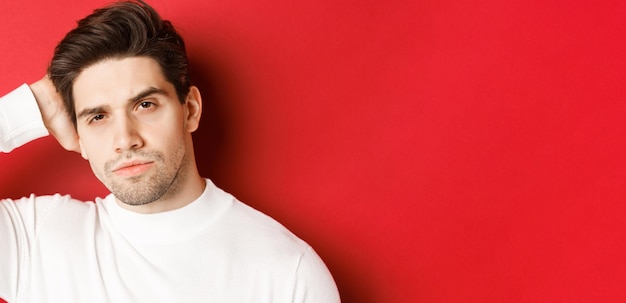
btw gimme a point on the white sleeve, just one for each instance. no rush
(314, 283)
(18, 223)
(20, 119)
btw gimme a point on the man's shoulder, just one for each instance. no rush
(262, 232)
(47, 202)
(68, 211)
(48, 213)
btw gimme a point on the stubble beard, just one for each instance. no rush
(162, 181)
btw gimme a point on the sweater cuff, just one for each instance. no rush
(20, 119)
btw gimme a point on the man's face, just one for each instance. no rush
(133, 129)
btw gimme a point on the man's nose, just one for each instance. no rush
(126, 135)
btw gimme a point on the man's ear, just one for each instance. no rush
(82, 150)
(192, 109)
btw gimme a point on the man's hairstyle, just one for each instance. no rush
(120, 30)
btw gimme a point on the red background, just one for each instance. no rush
(430, 151)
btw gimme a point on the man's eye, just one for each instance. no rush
(146, 104)
(97, 118)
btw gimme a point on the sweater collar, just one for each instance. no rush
(173, 226)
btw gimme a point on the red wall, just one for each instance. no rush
(431, 151)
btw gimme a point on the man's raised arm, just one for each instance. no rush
(31, 112)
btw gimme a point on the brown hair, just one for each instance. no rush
(120, 30)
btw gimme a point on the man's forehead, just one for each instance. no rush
(118, 80)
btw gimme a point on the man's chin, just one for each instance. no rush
(137, 191)
(136, 198)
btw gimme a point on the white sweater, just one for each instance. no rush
(216, 249)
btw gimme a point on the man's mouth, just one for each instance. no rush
(132, 168)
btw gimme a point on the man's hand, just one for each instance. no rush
(54, 114)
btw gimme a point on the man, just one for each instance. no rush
(164, 234)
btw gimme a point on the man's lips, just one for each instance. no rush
(132, 168)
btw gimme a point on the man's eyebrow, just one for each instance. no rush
(99, 109)
(147, 92)
(90, 111)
